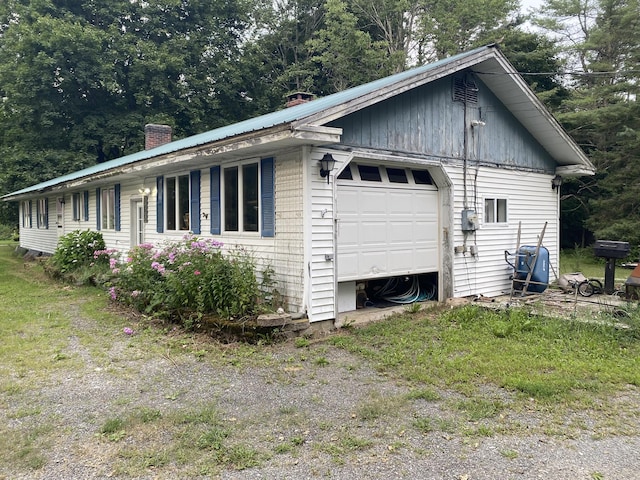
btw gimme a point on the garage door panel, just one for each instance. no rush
(386, 231)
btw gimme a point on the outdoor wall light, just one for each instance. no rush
(144, 191)
(327, 164)
(556, 182)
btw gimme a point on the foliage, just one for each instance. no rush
(551, 360)
(187, 279)
(600, 44)
(76, 250)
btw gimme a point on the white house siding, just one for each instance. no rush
(40, 239)
(531, 202)
(321, 211)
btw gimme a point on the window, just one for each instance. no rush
(369, 174)
(346, 174)
(76, 206)
(85, 205)
(422, 177)
(42, 214)
(397, 175)
(495, 210)
(241, 198)
(108, 208)
(177, 202)
(26, 214)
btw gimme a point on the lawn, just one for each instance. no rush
(486, 371)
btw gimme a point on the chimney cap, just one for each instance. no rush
(296, 98)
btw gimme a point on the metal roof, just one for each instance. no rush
(313, 110)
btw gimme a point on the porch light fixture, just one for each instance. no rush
(144, 191)
(327, 164)
(556, 182)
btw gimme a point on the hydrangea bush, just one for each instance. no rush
(76, 250)
(186, 279)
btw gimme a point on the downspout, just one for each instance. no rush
(334, 191)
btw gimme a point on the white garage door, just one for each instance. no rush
(387, 223)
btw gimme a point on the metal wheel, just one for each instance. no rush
(596, 285)
(585, 288)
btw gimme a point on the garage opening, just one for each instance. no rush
(388, 234)
(386, 292)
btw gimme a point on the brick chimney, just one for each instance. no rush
(297, 98)
(156, 135)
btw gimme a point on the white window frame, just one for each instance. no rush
(26, 214)
(180, 224)
(108, 208)
(240, 197)
(76, 206)
(496, 211)
(41, 221)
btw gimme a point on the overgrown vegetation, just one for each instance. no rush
(180, 280)
(547, 359)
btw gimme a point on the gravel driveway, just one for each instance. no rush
(297, 412)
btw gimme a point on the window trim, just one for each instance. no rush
(497, 215)
(42, 213)
(239, 167)
(76, 205)
(26, 214)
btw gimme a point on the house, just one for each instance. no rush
(429, 176)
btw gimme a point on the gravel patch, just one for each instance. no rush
(313, 412)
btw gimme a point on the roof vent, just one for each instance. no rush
(465, 90)
(297, 98)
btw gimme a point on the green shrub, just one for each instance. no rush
(7, 232)
(77, 250)
(187, 279)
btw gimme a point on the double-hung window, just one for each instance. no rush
(108, 203)
(26, 214)
(495, 210)
(177, 202)
(241, 205)
(42, 213)
(242, 198)
(76, 206)
(108, 208)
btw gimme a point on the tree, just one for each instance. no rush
(343, 56)
(602, 111)
(448, 27)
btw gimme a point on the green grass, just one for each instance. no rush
(550, 360)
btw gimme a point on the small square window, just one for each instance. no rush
(495, 210)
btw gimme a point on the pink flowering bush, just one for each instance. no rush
(186, 279)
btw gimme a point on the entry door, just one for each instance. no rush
(60, 216)
(137, 222)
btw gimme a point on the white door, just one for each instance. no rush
(137, 222)
(60, 216)
(386, 229)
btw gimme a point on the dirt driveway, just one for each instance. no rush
(159, 404)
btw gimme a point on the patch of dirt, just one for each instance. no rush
(308, 412)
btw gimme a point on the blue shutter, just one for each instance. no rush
(85, 194)
(215, 200)
(160, 204)
(30, 211)
(267, 206)
(98, 216)
(46, 213)
(38, 214)
(116, 205)
(195, 201)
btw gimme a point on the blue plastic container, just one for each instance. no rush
(526, 262)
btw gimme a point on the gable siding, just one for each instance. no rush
(531, 201)
(426, 121)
